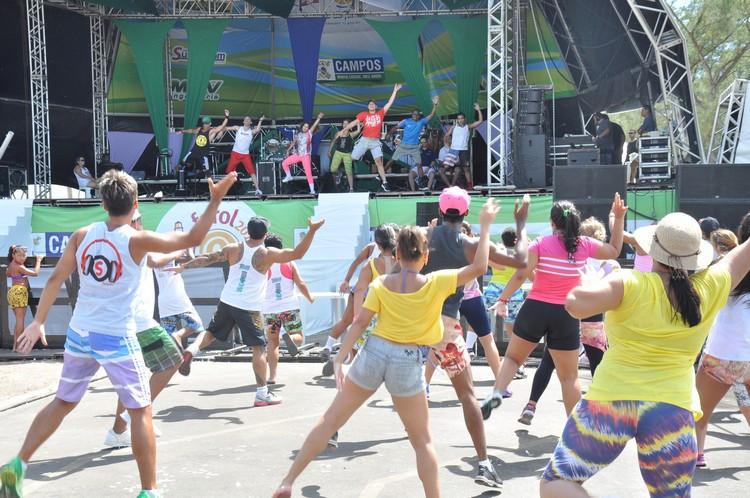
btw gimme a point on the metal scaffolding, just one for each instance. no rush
(39, 98)
(502, 69)
(655, 21)
(727, 123)
(99, 87)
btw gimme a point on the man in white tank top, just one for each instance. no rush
(109, 257)
(241, 301)
(460, 134)
(243, 138)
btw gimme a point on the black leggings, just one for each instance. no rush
(543, 374)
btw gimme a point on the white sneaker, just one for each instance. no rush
(117, 440)
(126, 417)
(258, 192)
(287, 178)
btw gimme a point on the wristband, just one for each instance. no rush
(506, 301)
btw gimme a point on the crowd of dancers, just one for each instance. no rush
(642, 330)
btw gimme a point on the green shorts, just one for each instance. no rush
(339, 156)
(160, 352)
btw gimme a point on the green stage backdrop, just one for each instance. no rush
(52, 226)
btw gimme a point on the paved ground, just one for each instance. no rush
(216, 444)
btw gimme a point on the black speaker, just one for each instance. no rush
(530, 167)
(588, 156)
(718, 190)
(530, 95)
(426, 212)
(4, 181)
(12, 178)
(590, 188)
(267, 177)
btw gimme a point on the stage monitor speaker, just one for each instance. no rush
(426, 212)
(590, 188)
(530, 169)
(718, 190)
(588, 156)
(267, 177)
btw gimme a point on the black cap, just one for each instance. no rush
(257, 227)
(709, 224)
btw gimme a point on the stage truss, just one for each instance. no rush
(39, 98)
(727, 122)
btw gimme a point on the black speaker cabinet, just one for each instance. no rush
(718, 190)
(530, 167)
(267, 177)
(583, 157)
(12, 178)
(590, 188)
(426, 212)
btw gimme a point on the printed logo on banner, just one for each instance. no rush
(179, 89)
(228, 227)
(55, 243)
(367, 68)
(180, 54)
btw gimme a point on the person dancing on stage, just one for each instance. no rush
(198, 155)
(344, 142)
(303, 144)
(408, 307)
(372, 120)
(109, 257)
(644, 387)
(460, 134)
(241, 150)
(18, 294)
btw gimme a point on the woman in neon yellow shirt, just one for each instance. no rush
(408, 307)
(644, 388)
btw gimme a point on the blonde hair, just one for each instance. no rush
(592, 227)
(723, 240)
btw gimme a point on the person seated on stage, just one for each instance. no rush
(105, 164)
(649, 123)
(445, 163)
(427, 156)
(202, 145)
(83, 175)
(343, 141)
(604, 140)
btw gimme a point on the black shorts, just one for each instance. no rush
(463, 158)
(250, 324)
(538, 319)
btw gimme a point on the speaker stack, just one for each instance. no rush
(718, 190)
(12, 178)
(529, 139)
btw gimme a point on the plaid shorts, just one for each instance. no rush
(160, 352)
(289, 320)
(187, 319)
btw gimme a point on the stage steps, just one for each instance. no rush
(15, 224)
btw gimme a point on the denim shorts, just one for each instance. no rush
(398, 365)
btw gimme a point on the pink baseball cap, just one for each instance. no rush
(454, 198)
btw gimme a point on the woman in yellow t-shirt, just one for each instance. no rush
(408, 307)
(644, 388)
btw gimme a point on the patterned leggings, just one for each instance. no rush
(596, 434)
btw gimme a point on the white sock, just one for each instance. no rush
(312, 188)
(24, 466)
(486, 463)
(193, 348)
(262, 390)
(471, 339)
(330, 342)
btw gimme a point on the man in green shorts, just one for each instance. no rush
(160, 352)
(344, 143)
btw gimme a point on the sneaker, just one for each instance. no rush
(487, 476)
(287, 178)
(11, 479)
(291, 347)
(126, 417)
(385, 187)
(187, 358)
(527, 414)
(117, 440)
(469, 186)
(337, 177)
(490, 403)
(328, 368)
(334, 441)
(507, 394)
(701, 461)
(145, 494)
(422, 183)
(269, 399)
(258, 192)
(521, 372)
(325, 355)
(351, 190)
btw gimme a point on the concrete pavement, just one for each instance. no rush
(216, 444)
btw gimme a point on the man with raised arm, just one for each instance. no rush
(241, 301)
(372, 119)
(109, 256)
(460, 134)
(243, 138)
(198, 155)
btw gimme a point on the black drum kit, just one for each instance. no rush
(274, 149)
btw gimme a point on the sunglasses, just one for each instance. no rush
(19, 249)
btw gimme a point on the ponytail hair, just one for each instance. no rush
(385, 237)
(567, 219)
(11, 250)
(743, 234)
(687, 301)
(412, 243)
